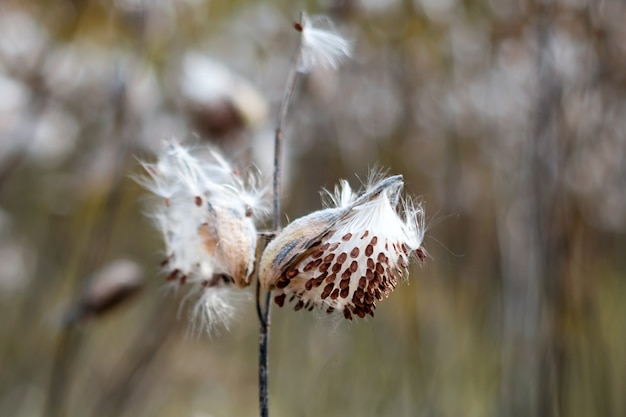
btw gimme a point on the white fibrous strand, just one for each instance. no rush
(350, 255)
(205, 211)
(321, 45)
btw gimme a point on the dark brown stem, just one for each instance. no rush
(264, 315)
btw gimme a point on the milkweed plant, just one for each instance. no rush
(342, 259)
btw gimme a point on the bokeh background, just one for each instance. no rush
(508, 118)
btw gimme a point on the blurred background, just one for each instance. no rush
(508, 117)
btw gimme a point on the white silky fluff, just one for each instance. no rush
(321, 46)
(396, 218)
(179, 177)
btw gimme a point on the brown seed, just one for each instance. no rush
(370, 263)
(299, 305)
(421, 255)
(378, 278)
(333, 247)
(362, 282)
(291, 273)
(346, 314)
(378, 295)
(173, 276)
(309, 284)
(405, 249)
(374, 241)
(282, 282)
(402, 262)
(324, 267)
(344, 283)
(325, 246)
(327, 290)
(371, 285)
(359, 312)
(369, 250)
(317, 254)
(334, 294)
(330, 310)
(381, 257)
(356, 300)
(393, 282)
(342, 258)
(198, 200)
(359, 293)
(331, 278)
(367, 232)
(312, 264)
(354, 252)
(344, 293)
(280, 299)
(369, 275)
(380, 269)
(347, 237)
(346, 274)
(311, 307)
(336, 268)
(321, 277)
(354, 266)
(329, 258)
(368, 299)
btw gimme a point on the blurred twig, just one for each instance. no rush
(68, 345)
(132, 373)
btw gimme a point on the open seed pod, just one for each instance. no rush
(349, 256)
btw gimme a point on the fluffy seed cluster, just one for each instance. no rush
(348, 256)
(321, 45)
(206, 213)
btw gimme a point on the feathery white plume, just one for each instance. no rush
(206, 217)
(321, 45)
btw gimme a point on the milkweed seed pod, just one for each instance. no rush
(114, 284)
(348, 256)
(205, 214)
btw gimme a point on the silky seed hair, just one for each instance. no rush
(206, 212)
(322, 47)
(348, 256)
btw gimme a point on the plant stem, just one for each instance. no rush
(264, 315)
(62, 368)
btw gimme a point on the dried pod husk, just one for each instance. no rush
(231, 240)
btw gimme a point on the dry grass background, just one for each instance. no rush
(508, 117)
